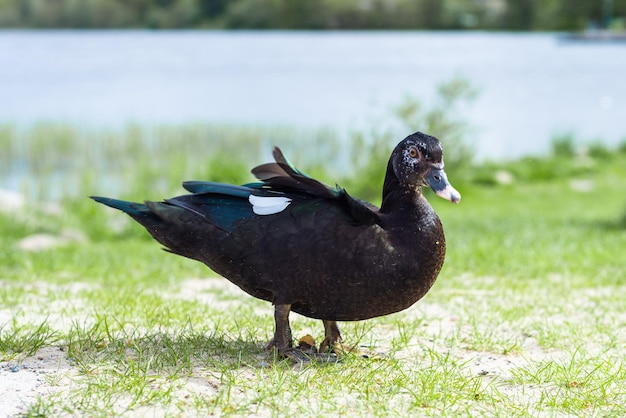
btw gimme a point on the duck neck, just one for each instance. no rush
(396, 195)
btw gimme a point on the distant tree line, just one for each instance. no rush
(314, 14)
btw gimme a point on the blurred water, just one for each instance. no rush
(532, 85)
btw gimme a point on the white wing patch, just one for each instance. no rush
(263, 205)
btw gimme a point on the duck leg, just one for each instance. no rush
(332, 342)
(283, 339)
(332, 336)
(282, 333)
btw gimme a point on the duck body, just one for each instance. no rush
(309, 248)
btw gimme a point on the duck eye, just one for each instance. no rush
(413, 153)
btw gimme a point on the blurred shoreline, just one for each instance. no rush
(531, 87)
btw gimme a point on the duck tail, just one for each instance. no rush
(131, 208)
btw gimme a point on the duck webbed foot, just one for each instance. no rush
(332, 342)
(306, 351)
(332, 338)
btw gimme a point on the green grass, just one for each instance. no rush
(526, 319)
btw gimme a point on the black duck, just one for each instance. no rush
(309, 248)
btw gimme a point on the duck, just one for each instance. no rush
(309, 248)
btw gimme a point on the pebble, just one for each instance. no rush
(41, 242)
(11, 201)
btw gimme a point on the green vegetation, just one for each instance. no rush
(108, 161)
(314, 14)
(527, 318)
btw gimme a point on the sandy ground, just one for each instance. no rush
(49, 371)
(21, 383)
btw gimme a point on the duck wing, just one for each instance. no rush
(283, 176)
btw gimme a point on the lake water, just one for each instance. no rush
(532, 86)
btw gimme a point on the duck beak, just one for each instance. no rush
(437, 179)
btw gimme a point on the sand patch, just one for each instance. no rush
(23, 382)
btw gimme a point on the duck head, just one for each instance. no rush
(418, 161)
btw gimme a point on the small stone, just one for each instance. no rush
(15, 369)
(503, 177)
(11, 201)
(582, 185)
(39, 242)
